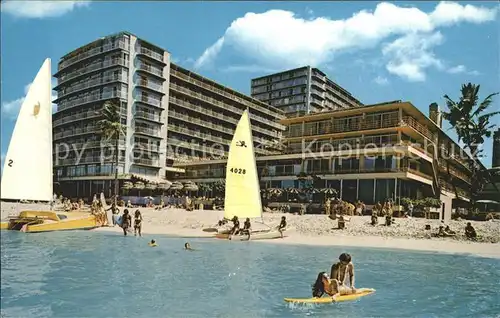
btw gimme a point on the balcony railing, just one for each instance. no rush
(148, 131)
(91, 98)
(77, 131)
(448, 168)
(91, 68)
(147, 162)
(76, 117)
(92, 52)
(91, 83)
(222, 106)
(148, 100)
(85, 160)
(148, 84)
(413, 123)
(224, 93)
(154, 55)
(149, 116)
(189, 145)
(86, 145)
(142, 146)
(150, 69)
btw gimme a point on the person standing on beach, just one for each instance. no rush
(114, 211)
(339, 273)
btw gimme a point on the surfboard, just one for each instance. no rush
(326, 300)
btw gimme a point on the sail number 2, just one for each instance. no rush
(238, 171)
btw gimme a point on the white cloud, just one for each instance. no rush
(11, 108)
(381, 80)
(40, 9)
(461, 69)
(280, 39)
(411, 54)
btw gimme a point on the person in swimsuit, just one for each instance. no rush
(282, 226)
(236, 226)
(326, 285)
(137, 223)
(339, 273)
(126, 222)
(247, 227)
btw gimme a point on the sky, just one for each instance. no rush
(378, 51)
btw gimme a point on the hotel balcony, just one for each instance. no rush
(148, 132)
(93, 83)
(72, 75)
(85, 146)
(142, 115)
(195, 146)
(449, 169)
(76, 117)
(77, 131)
(92, 53)
(157, 72)
(148, 147)
(222, 105)
(149, 101)
(85, 160)
(146, 162)
(156, 88)
(232, 96)
(65, 105)
(189, 132)
(157, 57)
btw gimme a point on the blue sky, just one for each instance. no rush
(413, 51)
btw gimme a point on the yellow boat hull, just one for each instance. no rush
(48, 221)
(325, 300)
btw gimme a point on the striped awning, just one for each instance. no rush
(149, 179)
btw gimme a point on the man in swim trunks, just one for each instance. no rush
(339, 273)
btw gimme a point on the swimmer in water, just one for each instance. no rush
(152, 243)
(187, 247)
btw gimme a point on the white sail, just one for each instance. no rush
(27, 170)
(242, 181)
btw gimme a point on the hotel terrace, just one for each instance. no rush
(369, 153)
(171, 115)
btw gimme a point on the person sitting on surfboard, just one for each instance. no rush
(152, 243)
(321, 286)
(282, 225)
(339, 273)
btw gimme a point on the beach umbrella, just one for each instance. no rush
(176, 186)
(275, 191)
(139, 185)
(293, 190)
(127, 185)
(191, 187)
(329, 191)
(312, 190)
(150, 186)
(164, 186)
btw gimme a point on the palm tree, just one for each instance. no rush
(111, 128)
(472, 124)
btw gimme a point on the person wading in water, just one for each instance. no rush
(126, 222)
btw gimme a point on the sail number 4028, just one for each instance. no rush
(238, 170)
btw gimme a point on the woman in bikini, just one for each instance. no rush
(126, 222)
(137, 223)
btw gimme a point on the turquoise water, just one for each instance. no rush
(95, 274)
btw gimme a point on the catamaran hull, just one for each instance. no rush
(45, 221)
(265, 235)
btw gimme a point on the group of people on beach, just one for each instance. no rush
(125, 220)
(247, 226)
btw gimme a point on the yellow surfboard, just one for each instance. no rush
(325, 300)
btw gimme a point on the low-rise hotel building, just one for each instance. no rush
(170, 113)
(369, 153)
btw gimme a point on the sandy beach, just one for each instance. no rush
(409, 234)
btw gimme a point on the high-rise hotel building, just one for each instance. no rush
(302, 91)
(170, 114)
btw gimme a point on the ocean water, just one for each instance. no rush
(96, 274)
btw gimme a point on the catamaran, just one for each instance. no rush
(27, 170)
(242, 198)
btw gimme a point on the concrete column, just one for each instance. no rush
(164, 116)
(357, 189)
(341, 187)
(374, 190)
(446, 211)
(129, 135)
